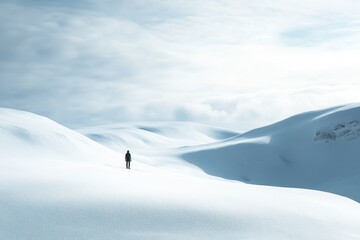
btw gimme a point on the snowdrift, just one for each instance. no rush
(26, 134)
(58, 184)
(315, 150)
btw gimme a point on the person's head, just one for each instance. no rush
(127, 150)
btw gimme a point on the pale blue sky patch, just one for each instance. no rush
(317, 35)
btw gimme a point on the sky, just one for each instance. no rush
(237, 64)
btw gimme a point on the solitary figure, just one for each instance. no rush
(128, 159)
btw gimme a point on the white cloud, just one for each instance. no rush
(231, 63)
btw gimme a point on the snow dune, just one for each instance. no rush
(26, 134)
(58, 184)
(315, 150)
(150, 137)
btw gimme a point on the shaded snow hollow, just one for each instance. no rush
(58, 184)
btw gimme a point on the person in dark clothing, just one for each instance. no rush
(128, 159)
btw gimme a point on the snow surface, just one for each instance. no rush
(316, 150)
(157, 143)
(58, 184)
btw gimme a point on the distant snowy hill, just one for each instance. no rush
(151, 136)
(56, 183)
(315, 150)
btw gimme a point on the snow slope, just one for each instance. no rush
(58, 184)
(26, 134)
(315, 150)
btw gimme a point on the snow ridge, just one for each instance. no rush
(292, 155)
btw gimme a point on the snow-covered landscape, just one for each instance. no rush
(288, 180)
(241, 119)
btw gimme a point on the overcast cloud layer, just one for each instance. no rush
(232, 63)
